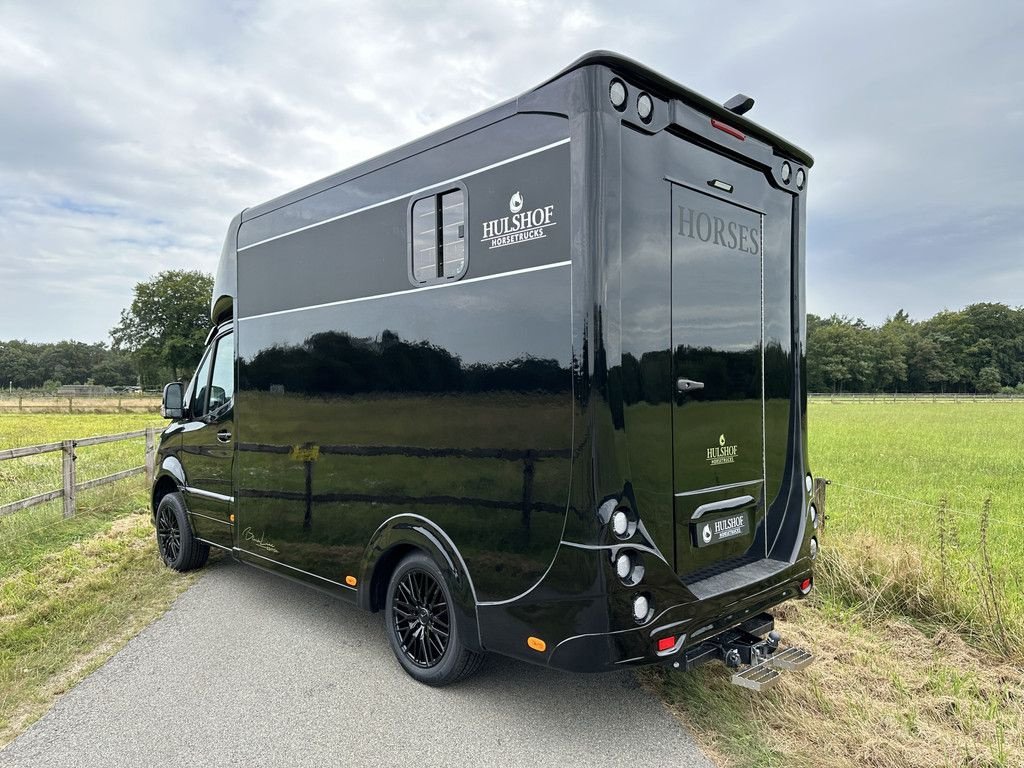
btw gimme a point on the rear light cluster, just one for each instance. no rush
(627, 562)
(618, 94)
(812, 512)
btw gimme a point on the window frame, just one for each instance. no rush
(433, 194)
(210, 354)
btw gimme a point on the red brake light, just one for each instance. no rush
(666, 643)
(805, 586)
(728, 129)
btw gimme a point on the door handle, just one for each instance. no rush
(688, 385)
(224, 436)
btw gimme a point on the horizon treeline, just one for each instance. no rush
(976, 349)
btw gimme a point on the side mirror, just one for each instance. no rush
(173, 406)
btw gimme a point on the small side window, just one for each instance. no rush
(438, 241)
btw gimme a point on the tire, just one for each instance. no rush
(418, 610)
(178, 547)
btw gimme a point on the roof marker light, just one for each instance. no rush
(645, 107)
(722, 185)
(727, 128)
(617, 93)
(787, 172)
(801, 177)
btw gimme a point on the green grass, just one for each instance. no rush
(918, 615)
(72, 591)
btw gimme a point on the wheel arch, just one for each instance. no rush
(394, 540)
(170, 478)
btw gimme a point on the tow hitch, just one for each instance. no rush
(752, 649)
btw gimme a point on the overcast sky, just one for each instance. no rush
(131, 133)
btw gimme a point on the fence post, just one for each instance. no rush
(68, 455)
(69, 406)
(19, 403)
(150, 454)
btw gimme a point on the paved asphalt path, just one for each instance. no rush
(249, 669)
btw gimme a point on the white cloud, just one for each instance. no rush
(132, 132)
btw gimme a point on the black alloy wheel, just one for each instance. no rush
(168, 534)
(175, 541)
(425, 626)
(422, 620)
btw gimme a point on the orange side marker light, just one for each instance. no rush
(350, 580)
(536, 643)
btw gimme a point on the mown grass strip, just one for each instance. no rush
(72, 608)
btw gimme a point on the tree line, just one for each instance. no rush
(159, 338)
(977, 349)
(161, 333)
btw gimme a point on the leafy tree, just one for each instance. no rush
(988, 379)
(167, 323)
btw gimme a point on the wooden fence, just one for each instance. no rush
(79, 404)
(70, 487)
(944, 397)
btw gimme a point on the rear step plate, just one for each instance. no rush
(791, 658)
(759, 677)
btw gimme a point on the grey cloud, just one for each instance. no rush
(133, 132)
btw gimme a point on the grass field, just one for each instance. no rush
(918, 615)
(72, 591)
(916, 619)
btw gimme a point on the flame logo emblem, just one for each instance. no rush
(706, 534)
(515, 203)
(721, 440)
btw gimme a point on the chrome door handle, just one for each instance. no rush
(224, 436)
(688, 385)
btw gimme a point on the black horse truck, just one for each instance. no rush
(531, 385)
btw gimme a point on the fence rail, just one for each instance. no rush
(911, 396)
(79, 404)
(69, 486)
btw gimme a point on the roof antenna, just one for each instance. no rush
(739, 104)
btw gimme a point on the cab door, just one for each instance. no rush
(207, 447)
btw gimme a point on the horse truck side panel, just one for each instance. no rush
(374, 414)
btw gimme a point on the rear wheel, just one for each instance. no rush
(422, 624)
(178, 547)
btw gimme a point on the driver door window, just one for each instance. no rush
(199, 388)
(222, 381)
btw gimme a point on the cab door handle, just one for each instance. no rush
(224, 436)
(688, 385)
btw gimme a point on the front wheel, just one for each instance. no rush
(178, 547)
(422, 624)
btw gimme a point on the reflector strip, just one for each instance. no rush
(727, 128)
(666, 643)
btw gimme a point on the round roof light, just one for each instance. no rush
(620, 523)
(617, 93)
(801, 177)
(787, 172)
(645, 107)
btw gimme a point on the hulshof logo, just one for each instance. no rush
(722, 453)
(522, 226)
(718, 231)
